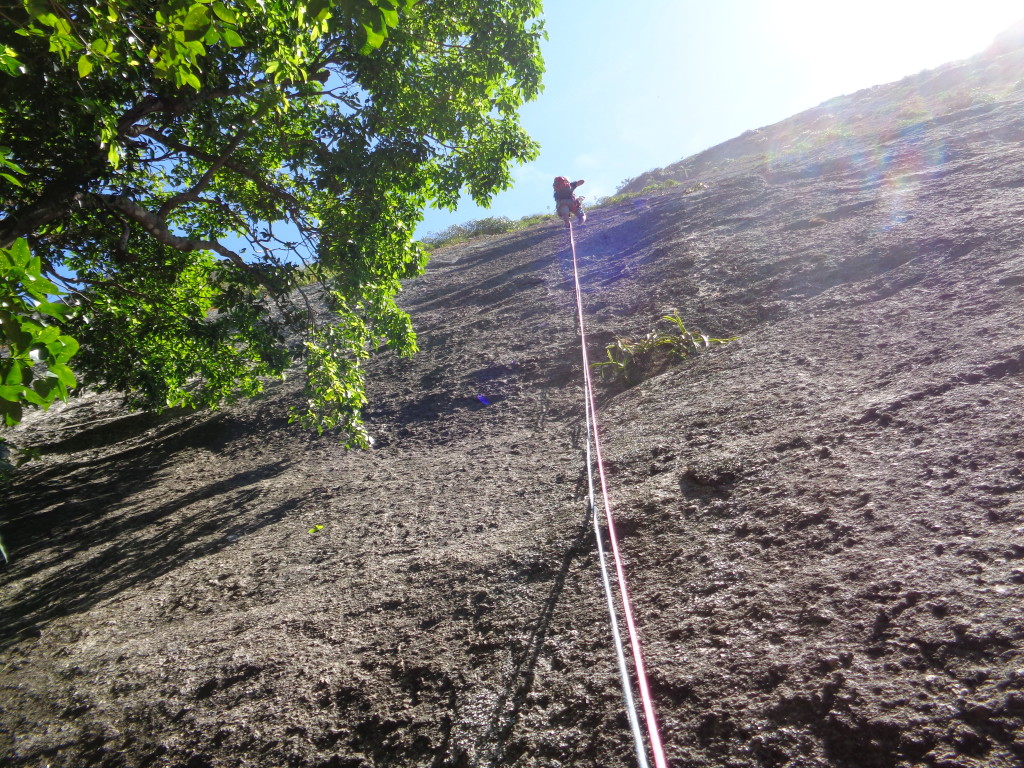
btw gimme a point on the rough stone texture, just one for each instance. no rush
(822, 521)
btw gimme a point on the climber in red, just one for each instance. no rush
(566, 202)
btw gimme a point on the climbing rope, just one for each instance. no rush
(620, 652)
(593, 439)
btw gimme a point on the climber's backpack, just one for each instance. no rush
(563, 188)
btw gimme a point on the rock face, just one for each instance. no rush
(823, 521)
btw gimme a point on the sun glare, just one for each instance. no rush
(885, 37)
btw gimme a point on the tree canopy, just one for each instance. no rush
(177, 171)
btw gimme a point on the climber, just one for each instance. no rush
(566, 203)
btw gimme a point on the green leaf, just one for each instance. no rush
(71, 346)
(374, 39)
(390, 17)
(37, 8)
(19, 253)
(52, 308)
(64, 374)
(84, 66)
(11, 179)
(48, 334)
(232, 38)
(198, 18)
(14, 375)
(59, 352)
(317, 8)
(46, 388)
(11, 411)
(39, 287)
(375, 18)
(224, 13)
(5, 161)
(18, 338)
(45, 17)
(33, 398)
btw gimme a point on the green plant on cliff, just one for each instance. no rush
(169, 164)
(493, 225)
(460, 233)
(653, 187)
(628, 361)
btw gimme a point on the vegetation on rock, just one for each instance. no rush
(629, 361)
(492, 225)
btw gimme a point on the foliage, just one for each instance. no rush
(532, 220)
(170, 164)
(494, 225)
(663, 184)
(30, 336)
(459, 233)
(34, 354)
(622, 197)
(653, 187)
(628, 361)
(634, 181)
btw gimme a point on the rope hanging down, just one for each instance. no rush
(620, 653)
(593, 438)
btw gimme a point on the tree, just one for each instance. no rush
(181, 169)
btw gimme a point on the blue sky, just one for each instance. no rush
(637, 85)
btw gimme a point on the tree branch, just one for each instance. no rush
(265, 186)
(192, 194)
(156, 227)
(55, 199)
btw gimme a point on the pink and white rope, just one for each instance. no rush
(593, 437)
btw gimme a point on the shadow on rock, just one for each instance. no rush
(87, 550)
